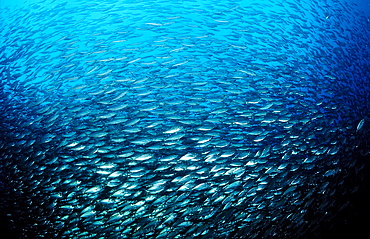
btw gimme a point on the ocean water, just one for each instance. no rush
(184, 119)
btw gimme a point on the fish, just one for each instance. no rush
(158, 119)
(360, 124)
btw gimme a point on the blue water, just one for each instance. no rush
(363, 5)
(182, 119)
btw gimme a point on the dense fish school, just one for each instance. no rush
(166, 119)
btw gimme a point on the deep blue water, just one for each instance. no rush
(184, 119)
(363, 5)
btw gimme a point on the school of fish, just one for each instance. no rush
(166, 119)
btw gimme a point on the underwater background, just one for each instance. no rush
(184, 119)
